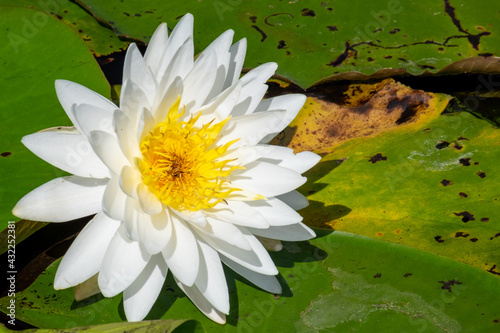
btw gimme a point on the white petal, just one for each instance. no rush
(149, 202)
(285, 157)
(239, 213)
(146, 124)
(221, 47)
(278, 155)
(136, 70)
(156, 46)
(268, 283)
(62, 199)
(266, 179)
(68, 151)
(275, 212)
(241, 194)
(113, 200)
(260, 74)
(193, 217)
(133, 216)
(254, 88)
(301, 162)
(237, 51)
(171, 95)
(249, 98)
(155, 231)
(132, 101)
(139, 297)
(179, 67)
(127, 136)
(294, 199)
(211, 281)
(92, 118)
(181, 249)
(198, 82)
(225, 232)
(130, 179)
(70, 93)
(84, 257)
(293, 232)
(257, 259)
(202, 304)
(123, 262)
(181, 33)
(108, 149)
(292, 103)
(221, 106)
(251, 128)
(246, 154)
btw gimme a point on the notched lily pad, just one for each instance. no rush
(319, 42)
(473, 65)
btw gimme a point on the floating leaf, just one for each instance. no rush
(432, 185)
(331, 40)
(152, 326)
(359, 110)
(99, 39)
(30, 63)
(339, 281)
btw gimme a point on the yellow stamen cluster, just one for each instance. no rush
(181, 164)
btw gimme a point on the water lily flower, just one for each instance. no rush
(180, 176)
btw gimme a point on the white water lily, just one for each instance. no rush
(180, 176)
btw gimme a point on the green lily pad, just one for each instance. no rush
(99, 39)
(30, 62)
(339, 281)
(432, 185)
(321, 41)
(151, 326)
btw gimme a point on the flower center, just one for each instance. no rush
(181, 163)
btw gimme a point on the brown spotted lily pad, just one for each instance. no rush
(363, 110)
(430, 182)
